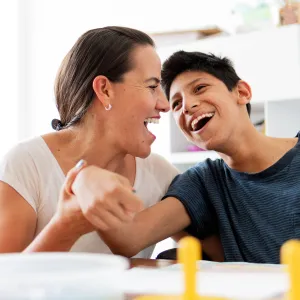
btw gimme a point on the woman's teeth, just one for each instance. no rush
(151, 120)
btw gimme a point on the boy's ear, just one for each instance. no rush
(244, 92)
(103, 90)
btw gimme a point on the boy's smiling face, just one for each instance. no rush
(205, 110)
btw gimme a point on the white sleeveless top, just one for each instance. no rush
(32, 170)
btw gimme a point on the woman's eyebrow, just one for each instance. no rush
(157, 80)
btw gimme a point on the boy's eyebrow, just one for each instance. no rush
(157, 80)
(187, 85)
(174, 96)
(194, 81)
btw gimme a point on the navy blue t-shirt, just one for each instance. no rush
(254, 214)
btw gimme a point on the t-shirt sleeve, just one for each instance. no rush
(165, 172)
(154, 176)
(189, 189)
(18, 170)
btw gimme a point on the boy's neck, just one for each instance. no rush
(257, 152)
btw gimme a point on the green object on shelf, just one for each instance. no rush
(258, 14)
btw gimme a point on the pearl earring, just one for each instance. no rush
(108, 107)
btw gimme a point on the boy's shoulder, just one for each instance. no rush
(206, 169)
(208, 164)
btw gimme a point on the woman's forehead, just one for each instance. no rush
(146, 60)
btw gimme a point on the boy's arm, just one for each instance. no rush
(106, 199)
(178, 236)
(108, 203)
(162, 220)
(148, 227)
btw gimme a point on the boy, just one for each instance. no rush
(250, 197)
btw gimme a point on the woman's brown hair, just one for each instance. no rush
(102, 51)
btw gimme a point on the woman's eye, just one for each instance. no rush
(153, 87)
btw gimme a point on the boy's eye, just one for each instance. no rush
(176, 105)
(198, 88)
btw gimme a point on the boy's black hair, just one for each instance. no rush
(181, 61)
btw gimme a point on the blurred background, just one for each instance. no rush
(262, 37)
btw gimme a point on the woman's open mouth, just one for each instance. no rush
(151, 121)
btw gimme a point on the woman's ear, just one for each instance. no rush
(244, 92)
(103, 90)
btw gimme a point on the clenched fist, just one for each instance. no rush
(98, 199)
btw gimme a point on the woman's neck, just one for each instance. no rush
(73, 144)
(96, 149)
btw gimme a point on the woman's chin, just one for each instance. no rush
(143, 152)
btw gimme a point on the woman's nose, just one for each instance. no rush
(162, 103)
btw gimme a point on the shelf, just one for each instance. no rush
(192, 157)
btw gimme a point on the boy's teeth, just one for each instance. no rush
(194, 123)
(152, 120)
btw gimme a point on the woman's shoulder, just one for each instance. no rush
(20, 168)
(24, 151)
(156, 168)
(21, 150)
(26, 156)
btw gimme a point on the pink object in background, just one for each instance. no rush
(193, 148)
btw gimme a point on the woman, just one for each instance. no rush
(107, 90)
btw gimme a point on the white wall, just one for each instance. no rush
(9, 76)
(283, 118)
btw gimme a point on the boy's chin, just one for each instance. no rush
(196, 142)
(202, 146)
(207, 144)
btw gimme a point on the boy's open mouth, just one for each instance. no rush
(201, 121)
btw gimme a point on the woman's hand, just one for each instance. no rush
(67, 225)
(97, 199)
(69, 212)
(106, 199)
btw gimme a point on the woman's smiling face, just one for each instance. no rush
(138, 100)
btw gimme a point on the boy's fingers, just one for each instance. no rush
(72, 174)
